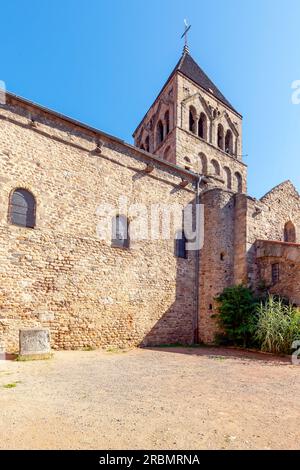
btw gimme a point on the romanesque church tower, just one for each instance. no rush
(193, 125)
(254, 242)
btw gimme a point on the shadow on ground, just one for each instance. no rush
(224, 353)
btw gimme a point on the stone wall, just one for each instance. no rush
(287, 256)
(266, 219)
(216, 257)
(59, 274)
(195, 148)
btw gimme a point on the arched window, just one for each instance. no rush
(187, 163)
(167, 122)
(22, 208)
(142, 147)
(228, 177)
(147, 145)
(239, 182)
(180, 245)
(192, 119)
(120, 233)
(289, 232)
(203, 163)
(229, 142)
(202, 126)
(220, 137)
(216, 167)
(160, 132)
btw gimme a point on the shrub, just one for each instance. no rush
(237, 315)
(278, 325)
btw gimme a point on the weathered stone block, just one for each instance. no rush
(34, 343)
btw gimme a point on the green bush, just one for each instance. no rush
(237, 315)
(278, 325)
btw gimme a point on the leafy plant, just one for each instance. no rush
(237, 315)
(11, 385)
(278, 325)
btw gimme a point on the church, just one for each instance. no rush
(57, 273)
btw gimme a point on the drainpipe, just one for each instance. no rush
(197, 273)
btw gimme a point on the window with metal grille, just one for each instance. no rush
(275, 273)
(22, 208)
(120, 236)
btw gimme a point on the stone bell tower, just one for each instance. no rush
(192, 124)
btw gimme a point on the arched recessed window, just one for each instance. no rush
(216, 167)
(228, 177)
(180, 245)
(290, 232)
(220, 137)
(22, 208)
(167, 122)
(147, 145)
(229, 142)
(120, 232)
(187, 161)
(203, 163)
(167, 153)
(192, 119)
(202, 126)
(142, 147)
(239, 182)
(160, 132)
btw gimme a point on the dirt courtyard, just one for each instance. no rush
(164, 398)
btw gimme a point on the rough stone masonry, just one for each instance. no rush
(57, 274)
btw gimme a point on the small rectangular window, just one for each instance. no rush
(275, 273)
(180, 245)
(120, 235)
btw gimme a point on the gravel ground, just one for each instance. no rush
(166, 398)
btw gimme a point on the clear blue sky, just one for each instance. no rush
(103, 62)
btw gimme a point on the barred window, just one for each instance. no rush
(275, 273)
(22, 208)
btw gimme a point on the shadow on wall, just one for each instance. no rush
(216, 271)
(178, 323)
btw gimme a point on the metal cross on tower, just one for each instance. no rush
(185, 35)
